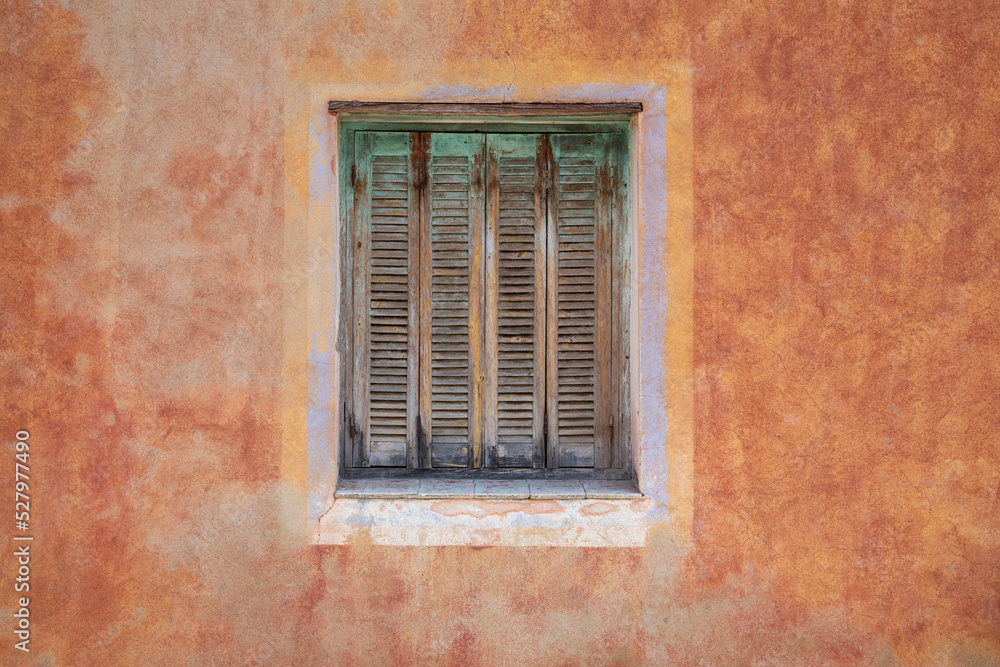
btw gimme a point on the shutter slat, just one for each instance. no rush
(579, 302)
(515, 311)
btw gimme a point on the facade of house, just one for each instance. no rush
(805, 339)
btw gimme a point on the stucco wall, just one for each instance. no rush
(830, 387)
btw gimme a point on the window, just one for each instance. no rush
(486, 296)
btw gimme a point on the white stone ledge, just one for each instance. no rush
(480, 522)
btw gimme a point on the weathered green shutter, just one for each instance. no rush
(515, 300)
(579, 309)
(451, 299)
(385, 335)
(484, 291)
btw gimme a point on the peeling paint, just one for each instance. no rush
(481, 523)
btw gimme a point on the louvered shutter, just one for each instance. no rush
(451, 299)
(579, 301)
(484, 288)
(385, 335)
(515, 300)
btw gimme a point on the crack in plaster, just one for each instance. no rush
(503, 42)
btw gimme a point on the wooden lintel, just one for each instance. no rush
(520, 109)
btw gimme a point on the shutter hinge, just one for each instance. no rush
(611, 428)
(351, 426)
(354, 175)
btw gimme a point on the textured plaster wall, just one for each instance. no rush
(844, 351)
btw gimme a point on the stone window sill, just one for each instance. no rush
(488, 489)
(484, 513)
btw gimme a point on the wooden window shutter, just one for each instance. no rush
(515, 300)
(451, 300)
(487, 273)
(386, 331)
(579, 308)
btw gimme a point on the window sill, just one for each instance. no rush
(486, 513)
(520, 489)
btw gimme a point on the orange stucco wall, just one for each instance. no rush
(835, 370)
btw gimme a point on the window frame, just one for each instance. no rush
(505, 119)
